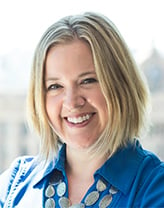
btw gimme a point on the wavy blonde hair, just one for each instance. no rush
(122, 83)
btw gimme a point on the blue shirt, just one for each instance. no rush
(136, 174)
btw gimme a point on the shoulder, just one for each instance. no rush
(153, 187)
(149, 160)
(150, 164)
(17, 165)
(22, 161)
(151, 182)
(21, 164)
(18, 168)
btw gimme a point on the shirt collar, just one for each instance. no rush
(58, 163)
(121, 169)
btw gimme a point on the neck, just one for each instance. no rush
(80, 160)
(80, 168)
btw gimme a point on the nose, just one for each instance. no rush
(73, 100)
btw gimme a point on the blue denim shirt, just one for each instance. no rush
(137, 174)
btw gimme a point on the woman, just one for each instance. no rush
(88, 102)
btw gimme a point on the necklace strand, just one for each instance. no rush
(90, 199)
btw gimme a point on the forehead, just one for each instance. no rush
(70, 57)
(76, 47)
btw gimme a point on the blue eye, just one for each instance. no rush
(89, 81)
(53, 87)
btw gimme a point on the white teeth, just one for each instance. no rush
(79, 119)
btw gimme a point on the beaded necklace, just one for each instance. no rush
(60, 190)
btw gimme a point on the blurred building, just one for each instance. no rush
(153, 68)
(16, 139)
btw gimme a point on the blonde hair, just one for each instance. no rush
(122, 83)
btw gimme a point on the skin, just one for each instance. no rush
(73, 93)
(76, 109)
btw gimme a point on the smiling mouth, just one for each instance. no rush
(80, 119)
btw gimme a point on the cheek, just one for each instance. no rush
(100, 100)
(102, 105)
(48, 108)
(51, 107)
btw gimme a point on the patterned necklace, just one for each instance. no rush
(60, 190)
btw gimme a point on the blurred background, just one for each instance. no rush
(21, 26)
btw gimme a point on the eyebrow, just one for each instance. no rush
(80, 75)
(87, 73)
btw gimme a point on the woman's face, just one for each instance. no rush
(75, 104)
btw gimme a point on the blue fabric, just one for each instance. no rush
(137, 174)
